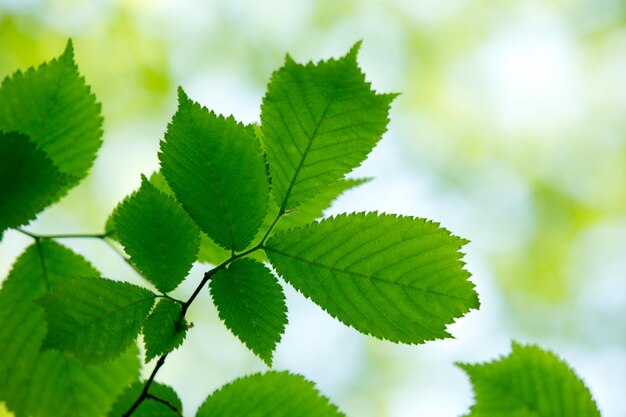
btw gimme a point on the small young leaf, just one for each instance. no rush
(54, 107)
(216, 169)
(529, 382)
(162, 402)
(307, 212)
(251, 303)
(272, 394)
(313, 209)
(28, 179)
(165, 329)
(394, 277)
(77, 390)
(159, 236)
(319, 121)
(94, 319)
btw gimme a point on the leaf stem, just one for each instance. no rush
(144, 392)
(63, 236)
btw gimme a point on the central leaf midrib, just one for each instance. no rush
(304, 154)
(361, 275)
(215, 177)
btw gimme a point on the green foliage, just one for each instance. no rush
(529, 382)
(251, 303)
(68, 337)
(319, 121)
(30, 182)
(394, 277)
(272, 394)
(164, 329)
(81, 311)
(159, 236)
(55, 108)
(26, 369)
(163, 402)
(215, 167)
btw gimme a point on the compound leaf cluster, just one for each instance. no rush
(39, 382)
(248, 199)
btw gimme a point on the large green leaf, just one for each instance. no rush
(165, 329)
(95, 319)
(54, 107)
(158, 234)
(251, 303)
(162, 402)
(40, 383)
(216, 169)
(319, 121)
(272, 394)
(28, 180)
(530, 382)
(394, 277)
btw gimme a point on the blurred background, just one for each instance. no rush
(510, 130)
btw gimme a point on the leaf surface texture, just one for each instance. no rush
(95, 319)
(530, 382)
(393, 277)
(48, 383)
(164, 330)
(29, 180)
(272, 394)
(160, 238)
(55, 108)
(319, 121)
(215, 167)
(251, 303)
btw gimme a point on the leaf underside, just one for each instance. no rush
(95, 319)
(48, 383)
(54, 107)
(215, 167)
(167, 405)
(530, 382)
(29, 182)
(160, 238)
(272, 394)
(393, 277)
(319, 121)
(164, 329)
(251, 303)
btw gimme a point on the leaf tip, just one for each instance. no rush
(182, 95)
(354, 50)
(68, 52)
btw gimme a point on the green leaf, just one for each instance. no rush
(77, 390)
(162, 402)
(394, 277)
(272, 394)
(251, 303)
(165, 329)
(313, 209)
(95, 319)
(54, 107)
(158, 235)
(530, 382)
(319, 121)
(310, 210)
(216, 169)
(29, 181)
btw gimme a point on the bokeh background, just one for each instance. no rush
(510, 130)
